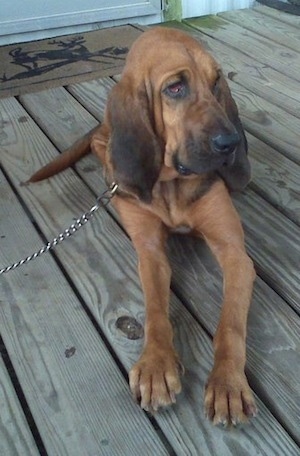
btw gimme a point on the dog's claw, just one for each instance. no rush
(223, 422)
(250, 410)
(173, 397)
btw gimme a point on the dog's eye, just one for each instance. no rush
(177, 89)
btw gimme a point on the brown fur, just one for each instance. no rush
(156, 143)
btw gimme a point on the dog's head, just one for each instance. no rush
(173, 108)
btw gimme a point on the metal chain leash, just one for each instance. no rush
(101, 201)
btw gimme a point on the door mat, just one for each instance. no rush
(39, 65)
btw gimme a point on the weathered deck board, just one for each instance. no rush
(273, 241)
(266, 51)
(93, 96)
(268, 122)
(15, 435)
(290, 19)
(274, 87)
(263, 25)
(58, 348)
(41, 322)
(275, 178)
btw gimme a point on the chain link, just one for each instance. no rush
(101, 201)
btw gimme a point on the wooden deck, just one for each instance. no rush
(71, 320)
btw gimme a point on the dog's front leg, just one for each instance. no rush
(228, 398)
(155, 378)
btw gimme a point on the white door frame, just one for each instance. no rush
(38, 19)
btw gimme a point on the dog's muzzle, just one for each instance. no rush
(222, 147)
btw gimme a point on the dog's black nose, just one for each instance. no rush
(225, 143)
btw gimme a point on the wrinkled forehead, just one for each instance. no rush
(161, 53)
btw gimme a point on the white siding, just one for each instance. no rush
(192, 8)
(36, 19)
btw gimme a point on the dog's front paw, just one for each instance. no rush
(228, 398)
(155, 379)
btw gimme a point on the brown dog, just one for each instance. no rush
(173, 142)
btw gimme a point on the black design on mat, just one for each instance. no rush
(67, 52)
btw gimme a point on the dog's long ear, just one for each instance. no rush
(238, 174)
(135, 150)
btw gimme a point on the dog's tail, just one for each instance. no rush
(67, 158)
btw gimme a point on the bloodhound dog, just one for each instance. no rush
(173, 142)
